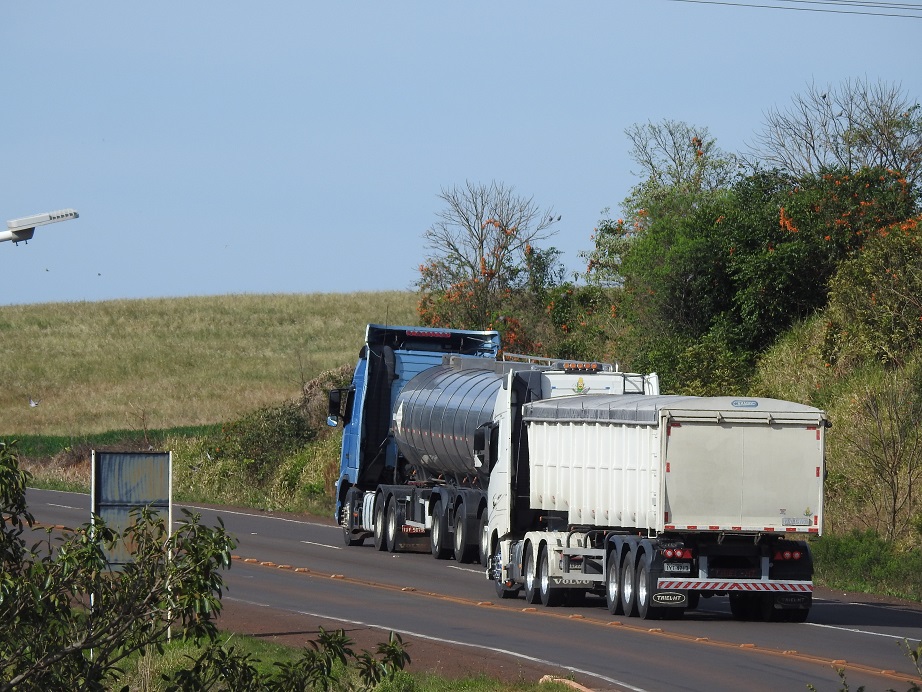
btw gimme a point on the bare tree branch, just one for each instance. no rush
(859, 124)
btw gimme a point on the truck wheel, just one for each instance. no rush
(391, 528)
(643, 589)
(462, 549)
(484, 539)
(439, 532)
(531, 579)
(502, 590)
(380, 527)
(613, 584)
(628, 592)
(550, 596)
(349, 535)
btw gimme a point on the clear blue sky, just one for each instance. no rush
(296, 147)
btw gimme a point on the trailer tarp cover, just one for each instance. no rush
(638, 408)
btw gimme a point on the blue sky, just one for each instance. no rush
(299, 147)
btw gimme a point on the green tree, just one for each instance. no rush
(675, 155)
(785, 238)
(484, 268)
(69, 619)
(681, 166)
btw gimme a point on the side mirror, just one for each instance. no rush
(334, 407)
(485, 441)
(480, 438)
(339, 406)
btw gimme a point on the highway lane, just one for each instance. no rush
(706, 650)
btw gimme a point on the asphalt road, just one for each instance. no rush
(303, 566)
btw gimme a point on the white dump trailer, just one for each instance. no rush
(656, 501)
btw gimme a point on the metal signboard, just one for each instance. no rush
(125, 481)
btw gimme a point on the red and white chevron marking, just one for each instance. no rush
(708, 585)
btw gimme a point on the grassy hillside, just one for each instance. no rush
(164, 363)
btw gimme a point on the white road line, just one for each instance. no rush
(324, 545)
(440, 640)
(908, 608)
(212, 509)
(258, 516)
(52, 504)
(855, 631)
(467, 569)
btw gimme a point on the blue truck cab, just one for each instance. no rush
(390, 358)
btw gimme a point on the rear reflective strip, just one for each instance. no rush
(704, 585)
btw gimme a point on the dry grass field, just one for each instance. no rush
(162, 363)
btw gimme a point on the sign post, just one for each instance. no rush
(125, 481)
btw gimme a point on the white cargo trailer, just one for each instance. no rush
(667, 463)
(656, 501)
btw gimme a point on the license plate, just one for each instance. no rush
(412, 529)
(728, 573)
(684, 567)
(796, 521)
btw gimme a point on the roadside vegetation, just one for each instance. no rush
(151, 624)
(265, 660)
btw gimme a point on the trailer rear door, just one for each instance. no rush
(746, 471)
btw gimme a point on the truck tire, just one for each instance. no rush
(439, 532)
(349, 535)
(551, 596)
(484, 537)
(628, 592)
(391, 526)
(380, 527)
(462, 549)
(613, 584)
(643, 589)
(502, 590)
(531, 578)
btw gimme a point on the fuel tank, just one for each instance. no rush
(435, 418)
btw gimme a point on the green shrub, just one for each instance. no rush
(864, 561)
(262, 438)
(876, 296)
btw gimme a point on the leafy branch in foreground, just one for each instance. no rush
(70, 619)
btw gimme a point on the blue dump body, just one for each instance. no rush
(390, 358)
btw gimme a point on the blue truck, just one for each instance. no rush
(382, 493)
